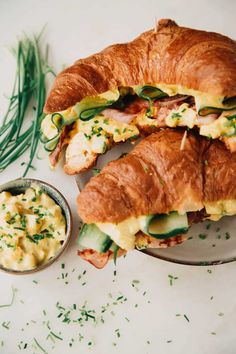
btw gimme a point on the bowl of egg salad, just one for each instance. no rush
(35, 225)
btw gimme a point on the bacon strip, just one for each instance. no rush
(119, 116)
(98, 260)
(55, 155)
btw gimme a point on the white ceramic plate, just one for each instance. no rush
(209, 242)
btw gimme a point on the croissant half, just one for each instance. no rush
(168, 76)
(200, 60)
(161, 176)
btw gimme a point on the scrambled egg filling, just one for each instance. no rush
(87, 139)
(94, 136)
(32, 229)
(220, 208)
(123, 233)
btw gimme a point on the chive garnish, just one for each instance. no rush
(227, 236)
(175, 115)
(6, 325)
(171, 278)
(39, 346)
(187, 319)
(29, 85)
(202, 236)
(117, 332)
(96, 171)
(14, 290)
(55, 335)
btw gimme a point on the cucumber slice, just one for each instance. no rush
(211, 110)
(227, 105)
(92, 106)
(165, 225)
(91, 237)
(149, 93)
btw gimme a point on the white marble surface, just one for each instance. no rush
(207, 296)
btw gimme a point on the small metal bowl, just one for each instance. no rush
(19, 186)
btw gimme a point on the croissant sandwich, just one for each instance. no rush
(151, 197)
(167, 77)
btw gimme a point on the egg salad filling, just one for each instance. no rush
(102, 237)
(32, 229)
(88, 139)
(128, 112)
(126, 235)
(216, 210)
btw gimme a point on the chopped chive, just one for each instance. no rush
(39, 346)
(96, 171)
(55, 335)
(187, 319)
(117, 332)
(6, 325)
(171, 278)
(202, 236)
(12, 299)
(227, 236)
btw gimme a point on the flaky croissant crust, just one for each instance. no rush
(169, 54)
(158, 177)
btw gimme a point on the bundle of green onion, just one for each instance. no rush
(28, 94)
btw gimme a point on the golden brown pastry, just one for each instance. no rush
(148, 180)
(171, 55)
(168, 76)
(178, 183)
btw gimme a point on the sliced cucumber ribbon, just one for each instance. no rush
(84, 110)
(227, 105)
(58, 122)
(149, 93)
(91, 237)
(89, 107)
(165, 225)
(160, 226)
